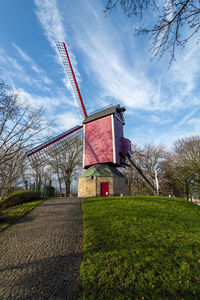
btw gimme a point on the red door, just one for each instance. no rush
(104, 189)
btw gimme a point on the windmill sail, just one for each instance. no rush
(68, 67)
(44, 151)
(53, 146)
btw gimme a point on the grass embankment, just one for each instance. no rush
(12, 214)
(141, 248)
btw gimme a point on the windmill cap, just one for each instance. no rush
(120, 109)
(105, 112)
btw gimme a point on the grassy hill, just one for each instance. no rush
(141, 248)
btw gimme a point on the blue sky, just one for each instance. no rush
(110, 64)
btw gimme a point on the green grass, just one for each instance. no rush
(12, 214)
(140, 248)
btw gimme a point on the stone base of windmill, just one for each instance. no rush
(102, 180)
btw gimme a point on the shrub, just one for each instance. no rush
(19, 197)
(49, 192)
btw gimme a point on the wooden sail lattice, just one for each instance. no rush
(45, 151)
(70, 73)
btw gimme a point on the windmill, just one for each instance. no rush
(104, 145)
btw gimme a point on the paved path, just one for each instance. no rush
(40, 255)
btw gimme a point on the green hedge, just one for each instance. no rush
(19, 197)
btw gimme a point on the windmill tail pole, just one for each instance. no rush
(135, 167)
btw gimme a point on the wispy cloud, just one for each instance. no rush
(109, 62)
(6, 60)
(161, 120)
(181, 82)
(62, 121)
(54, 103)
(67, 120)
(186, 118)
(51, 20)
(195, 122)
(35, 100)
(106, 59)
(12, 69)
(185, 71)
(33, 65)
(27, 58)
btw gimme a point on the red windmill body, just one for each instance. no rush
(104, 140)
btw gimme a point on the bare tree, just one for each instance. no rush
(19, 124)
(180, 178)
(182, 167)
(10, 174)
(67, 163)
(148, 160)
(175, 21)
(56, 163)
(187, 151)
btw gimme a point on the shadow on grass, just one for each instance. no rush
(9, 221)
(17, 213)
(5, 218)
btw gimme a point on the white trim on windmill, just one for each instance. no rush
(113, 138)
(83, 145)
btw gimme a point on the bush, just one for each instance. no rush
(19, 197)
(49, 192)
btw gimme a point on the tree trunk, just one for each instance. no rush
(67, 187)
(187, 191)
(26, 184)
(60, 188)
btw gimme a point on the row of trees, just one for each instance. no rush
(20, 129)
(178, 170)
(19, 125)
(182, 167)
(55, 176)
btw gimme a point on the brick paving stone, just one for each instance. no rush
(40, 254)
